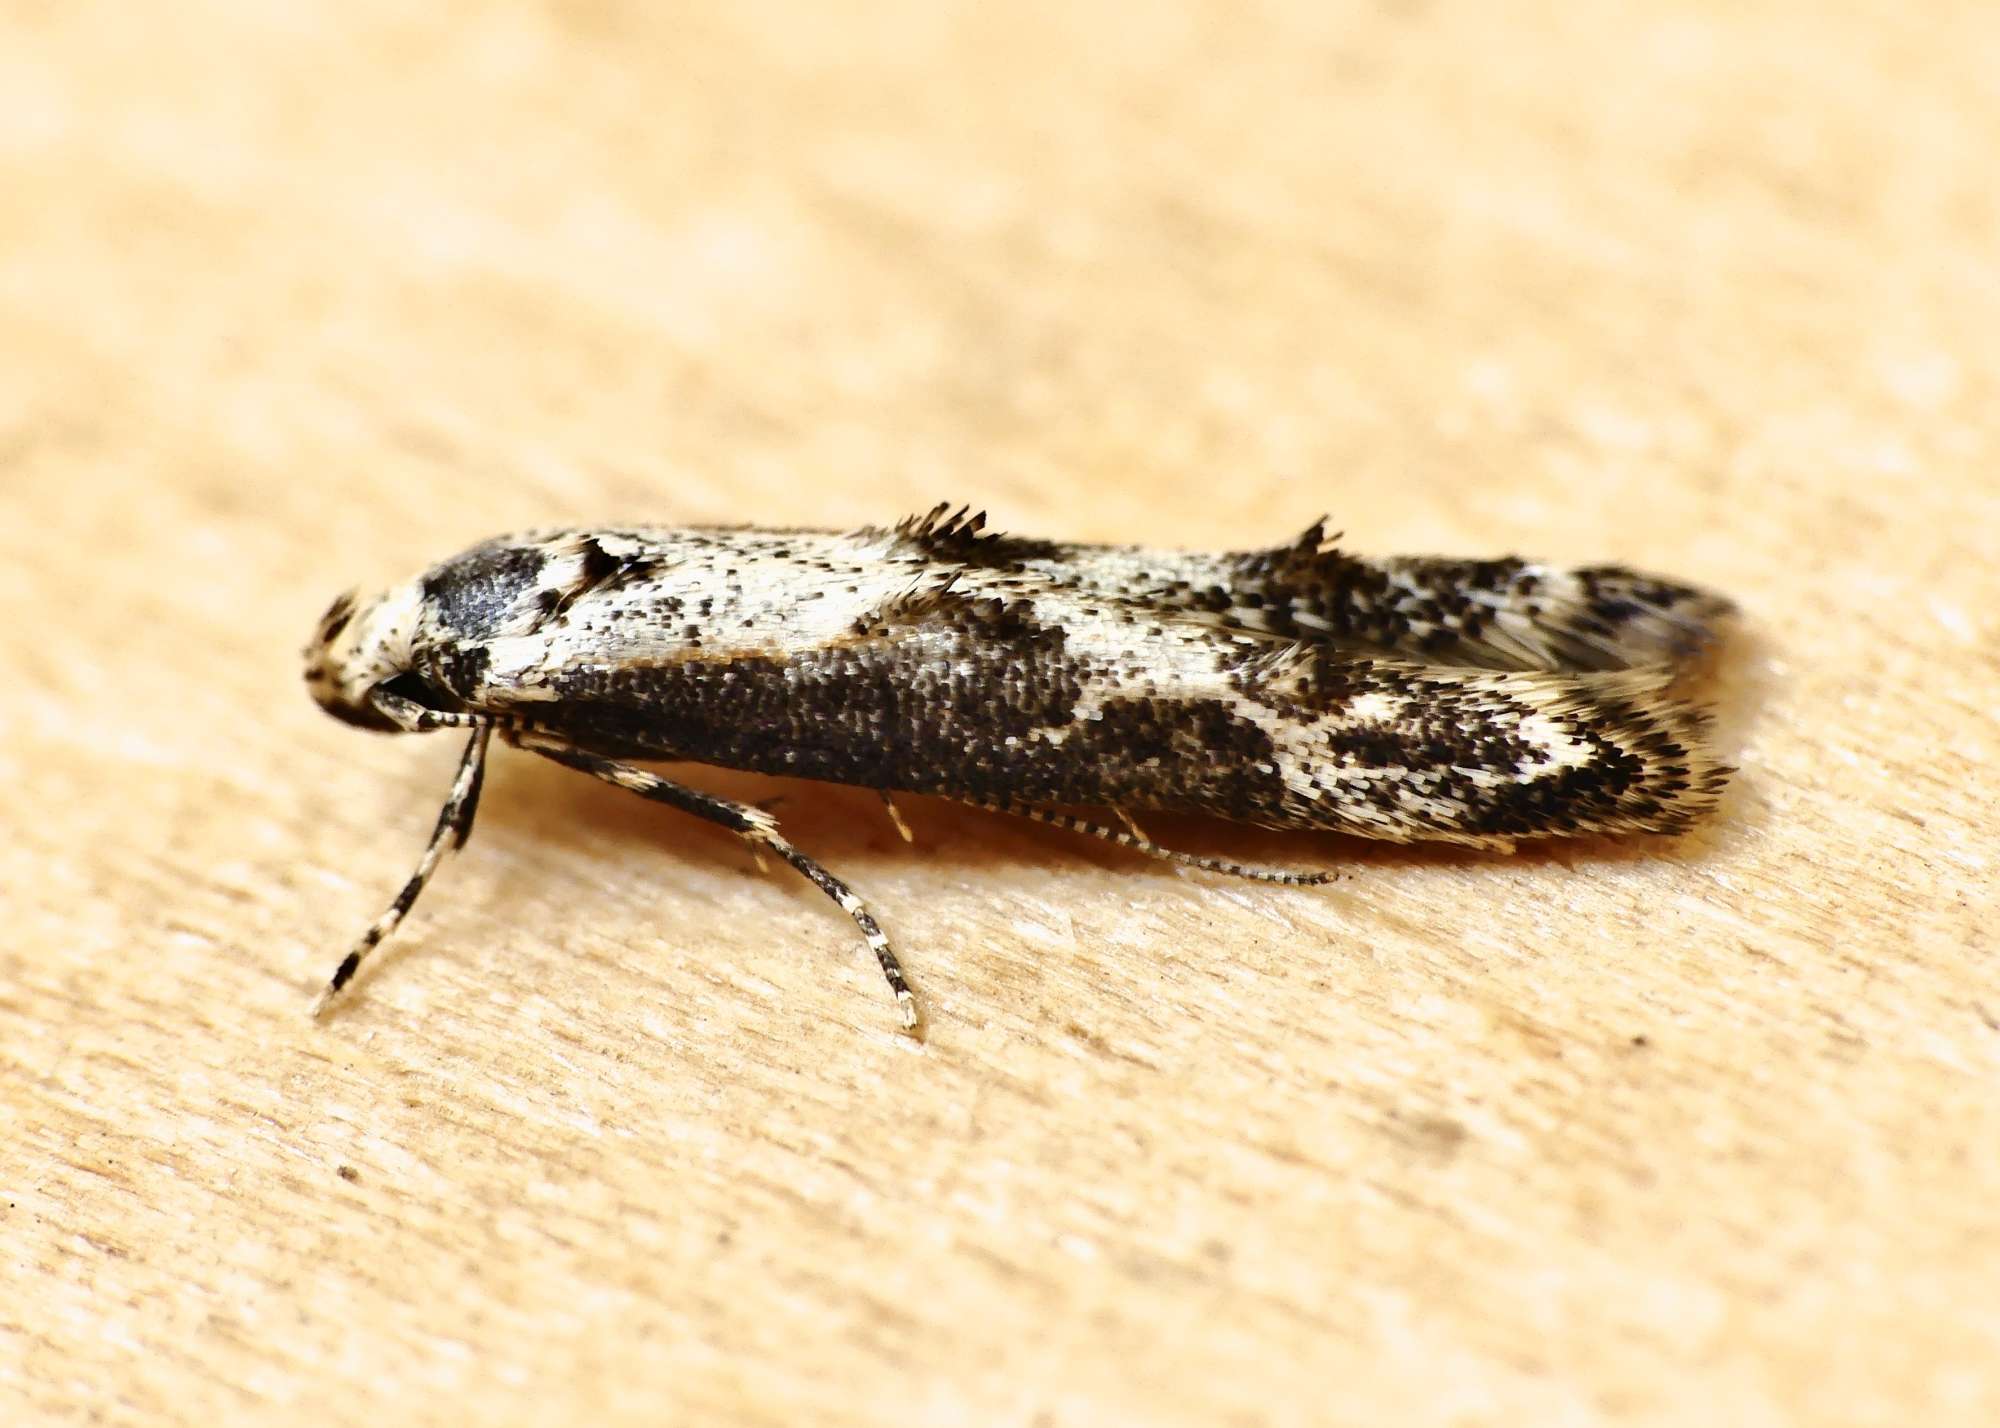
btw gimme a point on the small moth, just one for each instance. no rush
(1408, 698)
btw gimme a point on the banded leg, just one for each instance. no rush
(454, 826)
(1131, 836)
(415, 718)
(759, 828)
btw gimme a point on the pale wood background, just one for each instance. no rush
(297, 297)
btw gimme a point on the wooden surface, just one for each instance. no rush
(294, 298)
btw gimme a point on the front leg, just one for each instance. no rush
(454, 826)
(757, 827)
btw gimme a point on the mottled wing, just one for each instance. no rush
(1406, 751)
(1405, 698)
(1506, 613)
(1292, 688)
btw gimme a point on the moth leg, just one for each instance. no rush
(896, 817)
(1130, 836)
(454, 826)
(753, 824)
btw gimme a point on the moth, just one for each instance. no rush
(1475, 702)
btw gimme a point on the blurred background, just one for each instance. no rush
(295, 297)
(1459, 273)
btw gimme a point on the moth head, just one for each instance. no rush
(364, 648)
(376, 663)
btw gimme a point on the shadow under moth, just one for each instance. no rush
(1407, 698)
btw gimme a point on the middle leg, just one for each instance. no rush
(754, 825)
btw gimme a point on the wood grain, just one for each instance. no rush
(296, 298)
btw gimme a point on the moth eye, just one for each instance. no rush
(418, 690)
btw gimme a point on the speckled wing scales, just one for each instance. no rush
(1392, 749)
(1406, 698)
(1295, 687)
(1506, 613)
